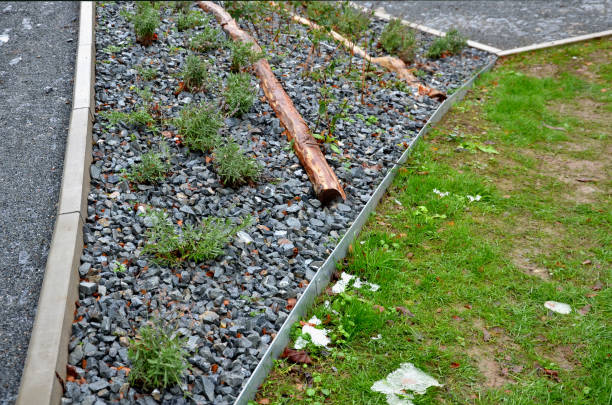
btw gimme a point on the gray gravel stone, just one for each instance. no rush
(209, 317)
(87, 288)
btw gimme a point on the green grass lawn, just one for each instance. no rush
(463, 283)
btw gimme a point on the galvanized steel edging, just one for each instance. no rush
(45, 365)
(321, 279)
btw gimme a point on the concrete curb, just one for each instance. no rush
(45, 366)
(321, 279)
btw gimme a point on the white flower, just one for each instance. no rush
(441, 193)
(472, 198)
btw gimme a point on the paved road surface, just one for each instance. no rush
(36, 68)
(507, 24)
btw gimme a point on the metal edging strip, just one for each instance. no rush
(323, 274)
(559, 42)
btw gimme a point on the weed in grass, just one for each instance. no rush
(152, 168)
(209, 38)
(157, 357)
(195, 74)
(145, 21)
(239, 94)
(190, 19)
(169, 245)
(138, 117)
(400, 40)
(199, 126)
(243, 56)
(453, 42)
(234, 167)
(146, 74)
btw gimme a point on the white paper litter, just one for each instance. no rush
(441, 193)
(345, 279)
(318, 337)
(558, 307)
(398, 384)
(472, 198)
(377, 337)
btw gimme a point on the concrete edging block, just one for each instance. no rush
(48, 350)
(44, 372)
(84, 78)
(76, 164)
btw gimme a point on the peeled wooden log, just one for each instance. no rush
(388, 62)
(324, 180)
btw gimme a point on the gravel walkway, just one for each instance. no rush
(37, 50)
(507, 24)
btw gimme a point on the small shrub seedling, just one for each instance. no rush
(352, 22)
(179, 5)
(145, 21)
(209, 38)
(399, 39)
(239, 94)
(239, 9)
(157, 357)
(170, 246)
(151, 169)
(199, 126)
(233, 166)
(189, 19)
(195, 73)
(243, 56)
(146, 74)
(138, 117)
(453, 42)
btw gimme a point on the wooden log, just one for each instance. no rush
(388, 62)
(324, 180)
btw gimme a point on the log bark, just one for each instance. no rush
(388, 62)
(324, 180)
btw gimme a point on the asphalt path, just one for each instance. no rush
(37, 53)
(507, 24)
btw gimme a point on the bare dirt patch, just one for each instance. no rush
(581, 176)
(542, 71)
(563, 356)
(520, 258)
(585, 109)
(484, 355)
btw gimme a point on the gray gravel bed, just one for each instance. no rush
(37, 51)
(228, 309)
(506, 24)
